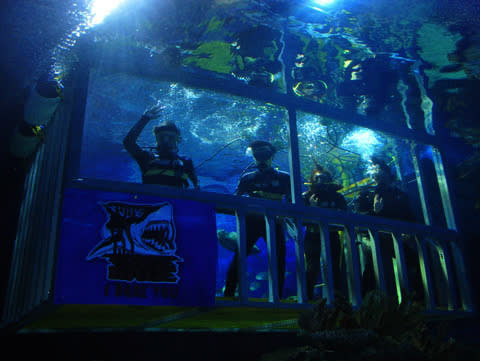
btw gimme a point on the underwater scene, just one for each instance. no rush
(370, 79)
(372, 62)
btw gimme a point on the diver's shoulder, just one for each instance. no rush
(250, 175)
(282, 173)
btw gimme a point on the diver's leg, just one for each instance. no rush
(232, 277)
(253, 229)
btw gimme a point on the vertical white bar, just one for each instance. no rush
(444, 191)
(377, 260)
(447, 272)
(242, 256)
(273, 291)
(400, 260)
(300, 262)
(426, 272)
(326, 264)
(353, 266)
(427, 217)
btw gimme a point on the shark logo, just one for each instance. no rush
(138, 243)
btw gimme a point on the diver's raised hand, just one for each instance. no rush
(377, 203)
(154, 111)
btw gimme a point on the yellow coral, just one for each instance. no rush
(213, 56)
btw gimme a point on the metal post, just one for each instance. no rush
(400, 260)
(426, 272)
(300, 262)
(294, 157)
(273, 291)
(447, 272)
(242, 256)
(326, 264)
(377, 260)
(444, 191)
(462, 277)
(353, 267)
(427, 217)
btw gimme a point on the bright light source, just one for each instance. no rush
(363, 141)
(100, 9)
(323, 2)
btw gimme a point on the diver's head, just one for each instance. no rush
(319, 178)
(263, 153)
(380, 172)
(167, 136)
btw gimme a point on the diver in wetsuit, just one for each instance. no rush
(323, 193)
(268, 183)
(163, 165)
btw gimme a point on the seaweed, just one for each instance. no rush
(381, 329)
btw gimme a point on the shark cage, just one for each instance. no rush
(97, 249)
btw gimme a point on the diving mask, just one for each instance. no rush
(262, 154)
(167, 140)
(322, 178)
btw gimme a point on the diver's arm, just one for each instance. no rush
(190, 170)
(130, 141)
(241, 187)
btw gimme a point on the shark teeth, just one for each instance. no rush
(158, 235)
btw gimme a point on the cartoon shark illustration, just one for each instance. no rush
(136, 229)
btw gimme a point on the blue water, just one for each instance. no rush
(257, 42)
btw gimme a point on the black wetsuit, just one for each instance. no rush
(268, 184)
(395, 206)
(325, 197)
(168, 169)
(395, 203)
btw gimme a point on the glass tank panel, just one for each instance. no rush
(345, 152)
(216, 129)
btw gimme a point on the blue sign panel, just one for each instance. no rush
(120, 248)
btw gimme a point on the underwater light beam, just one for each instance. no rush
(323, 2)
(100, 9)
(363, 141)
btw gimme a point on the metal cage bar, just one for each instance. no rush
(462, 278)
(299, 262)
(377, 260)
(426, 273)
(444, 191)
(273, 290)
(353, 266)
(447, 272)
(424, 201)
(242, 257)
(399, 250)
(326, 264)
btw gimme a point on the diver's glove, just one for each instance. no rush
(42, 101)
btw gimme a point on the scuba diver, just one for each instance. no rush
(267, 183)
(323, 193)
(32, 117)
(385, 199)
(373, 83)
(163, 165)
